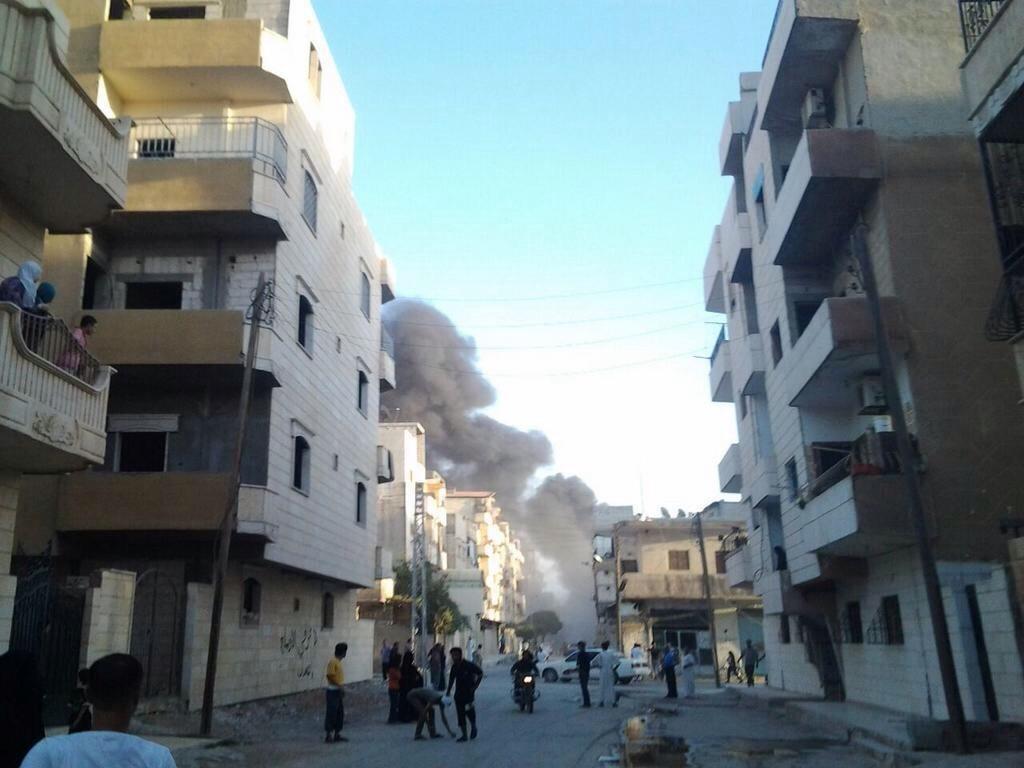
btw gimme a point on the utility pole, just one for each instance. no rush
(419, 577)
(707, 597)
(257, 308)
(908, 462)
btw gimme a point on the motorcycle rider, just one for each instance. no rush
(525, 666)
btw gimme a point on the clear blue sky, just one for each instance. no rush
(528, 148)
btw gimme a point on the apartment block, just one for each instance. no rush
(606, 517)
(857, 118)
(661, 596)
(239, 165)
(64, 163)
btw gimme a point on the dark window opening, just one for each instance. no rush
(630, 566)
(784, 629)
(310, 196)
(93, 274)
(361, 504)
(678, 560)
(117, 9)
(854, 630)
(142, 452)
(296, 605)
(152, 295)
(750, 307)
(776, 336)
(178, 12)
(363, 393)
(892, 620)
(305, 335)
(803, 312)
(327, 611)
(720, 561)
(300, 464)
(150, 149)
(251, 598)
(792, 481)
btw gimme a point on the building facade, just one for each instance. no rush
(240, 166)
(857, 118)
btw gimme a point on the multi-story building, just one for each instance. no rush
(241, 156)
(857, 118)
(603, 565)
(63, 163)
(661, 597)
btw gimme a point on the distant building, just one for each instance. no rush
(605, 519)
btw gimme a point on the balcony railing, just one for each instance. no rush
(1006, 318)
(873, 453)
(975, 16)
(51, 339)
(213, 137)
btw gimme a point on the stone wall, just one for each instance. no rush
(107, 621)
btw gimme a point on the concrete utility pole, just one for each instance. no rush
(258, 307)
(419, 577)
(707, 597)
(908, 462)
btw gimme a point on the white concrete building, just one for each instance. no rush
(241, 159)
(857, 115)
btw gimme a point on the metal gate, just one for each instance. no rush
(47, 622)
(157, 628)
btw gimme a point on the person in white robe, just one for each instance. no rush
(607, 660)
(689, 674)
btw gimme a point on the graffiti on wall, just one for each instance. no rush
(300, 644)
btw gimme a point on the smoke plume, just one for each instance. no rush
(439, 385)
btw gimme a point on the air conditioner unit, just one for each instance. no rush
(815, 110)
(385, 465)
(872, 396)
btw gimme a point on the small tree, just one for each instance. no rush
(526, 632)
(544, 623)
(443, 614)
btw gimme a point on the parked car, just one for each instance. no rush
(553, 669)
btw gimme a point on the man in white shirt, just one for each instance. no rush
(112, 687)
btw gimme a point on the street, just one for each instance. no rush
(717, 728)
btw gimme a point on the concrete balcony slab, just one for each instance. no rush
(721, 373)
(730, 470)
(993, 76)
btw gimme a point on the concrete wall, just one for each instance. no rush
(107, 621)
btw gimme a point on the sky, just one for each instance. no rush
(545, 172)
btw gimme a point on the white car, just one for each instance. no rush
(554, 669)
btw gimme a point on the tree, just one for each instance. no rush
(526, 631)
(544, 623)
(442, 612)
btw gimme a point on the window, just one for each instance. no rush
(792, 482)
(155, 149)
(178, 12)
(759, 209)
(305, 334)
(892, 621)
(316, 70)
(300, 464)
(630, 566)
(361, 503)
(296, 605)
(678, 560)
(720, 561)
(141, 452)
(309, 200)
(117, 9)
(363, 393)
(154, 295)
(803, 313)
(364, 295)
(784, 629)
(851, 629)
(776, 344)
(327, 611)
(251, 596)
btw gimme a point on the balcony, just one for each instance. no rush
(387, 280)
(219, 176)
(808, 42)
(830, 177)
(734, 241)
(736, 127)
(777, 593)
(748, 364)
(169, 336)
(53, 397)
(993, 71)
(721, 371)
(739, 570)
(196, 60)
(61, 159)
(714, 292)
(763, 485)
(190, 502)
(838, 347)
(387, 361)
(676, 585)
(730, 471)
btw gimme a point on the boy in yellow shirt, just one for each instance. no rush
(334, 718)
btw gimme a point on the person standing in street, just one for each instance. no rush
(334, 716)
(465, 678)
(423, 700)
(749, 659)
(607, 660)
(410, 678)
(394, 689)
(689, 674)
(655, 661)
(668, 668)
(731, 668)
(583, 669)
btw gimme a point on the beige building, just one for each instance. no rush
(63, 163)
(857, 115)
(241, 152)
(661, 596)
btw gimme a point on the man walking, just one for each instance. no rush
(583, 669)
(334, 717)
(423, 700)
(465, 679)
(749, 659)
(668, 667)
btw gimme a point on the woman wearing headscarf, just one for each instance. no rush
(21, 289)
(411, 678)
(21, 707)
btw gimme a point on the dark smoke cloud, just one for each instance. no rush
(439, 386)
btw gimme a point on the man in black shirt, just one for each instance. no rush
(583, 668)
(465, 679)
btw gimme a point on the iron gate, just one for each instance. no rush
(157, 629)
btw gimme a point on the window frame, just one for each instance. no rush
(327, 610)
(310, 192)
(634, 566)
(306, 324)
(365, 294)
(363, 392)
(362, 502)
(674, 556)
(303, 471)
(792, 478)
(252, 592)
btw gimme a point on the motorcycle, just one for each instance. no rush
(525, 692)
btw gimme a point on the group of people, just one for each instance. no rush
(606, 662)
(98, 733)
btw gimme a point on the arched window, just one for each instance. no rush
(251, 597)
(360, 503)
(309, 199)
(300, 469)
(327, 611)
(364, 295)
(305, 335)
(363, 393)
